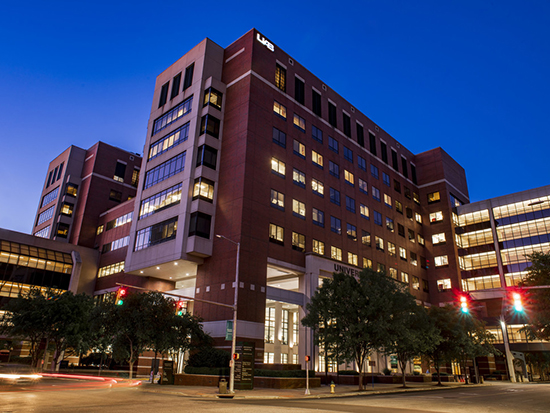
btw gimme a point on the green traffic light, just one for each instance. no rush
(119, 302)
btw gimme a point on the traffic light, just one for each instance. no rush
(518, 305)
(235, 356)
(464, 304)
(180, 307)
(308, 358)
(121, 295)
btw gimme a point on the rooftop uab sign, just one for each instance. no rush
(265, 42)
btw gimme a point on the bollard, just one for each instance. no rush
(332, 386)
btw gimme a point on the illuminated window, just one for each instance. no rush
(433, 197)
(375, 193)
(120, 170)
(391, 249)
(277, 200)
(67, 209)
(71, 189)
(441, 261)
(280, 77)
(278, 166)
(393, 273)
(411, 235)
(317, 159)
(173, 115)
(415, 283)
(365, 238)
(352, 259)
(416, 198)
(276, 234)
(299, 122)
(413, 258)
(387, 200)
(298, 242)
(299, 178)
(418, 217)
(335, 253)
(349, 178)
(438, 238)
(135, 177)
(444, 284)
(63, 230)
(363, 187)
(389, 224)
(212, 97)
(160, 201)
(367, 263)
(336, 225)
(436, 216)
(403, 253)
(420, 239)
(279, 109)
(364, 211)
(203, 189)
(318, 217)
(99, 230)
(379, 242)
(318, 247)
(352, 232)
(298, 209)
(269, 331)
(404, 277)
(299, 149)
(111, 269)
(317, 187)
(399, 207)
(381, 268)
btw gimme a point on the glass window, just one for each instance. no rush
(403, 253)
(317, 187)
(377, 218)
(157, 234)
(203, 189)
(199, 225)
(364, 211)
(160, 201)
(67, 209)
(279, 109)
(299, 149)
(317, 159)
(415, 283)
(316, 103)
(444, 284)
(365, 238)
(418, 217)
(276, 234)
(352, 259)
(299, 90)
(401, 230)
(50, 197)
(350, 204)
(316, 134)
(298, 209)
(318, 247)
(404, 277)
(212, 97)
(332, 144)
(376, 193)
(438, 238)
(399, 207)
(367, 263)
(277, 200)
(387, 200)
(71, 189)
(299, 122)
(397, 186)
(207, 156)
(420, 239)
(389, 224)
(436, 216)
(173, 115)
(318, 217)
(347, 124)
(386, 179)
(63, 230)
(299, 178)
(379, 242)
(334, 196)
(348, 154)
(393, 273)
(280, 77)
(165, 170)
(164, 94)
(335, 225)
(298, 242)
(414, 259)
(349, 178)
(120, 171)
(278, 167)
(362, 163)
(188, 79)
(335, 253)
(334, 169)
(372, 142)
(269, 332)
(279, 137)
(433, 197)
(363, 186)
(332, 115)
(411, 235)
(115, 195)
(441, 260)
(416, 198)
(391, 249)
(374, 171)
(352, 232)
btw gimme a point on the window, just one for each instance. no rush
(399, 207)
(43, 233)
(350, 204)
(387, 200)
(379, 242)
(115, 245)
(299, 178)
(316, 103)
(367, 263)
(455, 202)
(393, 273)
(332, 115)
(365, 238)
(404, 171)
(401, 230)
(434, 197)
(411, 235)
(317, 134)
(403, 253)
(408, 193)
(333, 144)
(279, 137)
(269, 332)
(207, 156)
(111, 269)
(404, 277)
(386, 179)
(418, 217)
(188, 78)
(62, 230)
(172, 115)
(67, 209)
(278, 167)
(372, 141)
(416, 198)
(49, 197)
(317, 159)
(391, 249)
(363, 186)
(199, 225)
(115, 195)
(377, 218)
(280, 77)
(279, 109)
(300, 122)
(376, 193)
(318, 247)
(156, 234)
(160, 201)
(420, 239)
(352, 232)
(212, 97)
(441, 261)
(415, 283)
(374, 171)
(276, 234)
(135, 177)
(362, 163)
(299, 149)
(318, 217)
(299, 91)
(397, 186)
(277, 200)
(438, 238)
(335, 225)
(364, 211)
(360, 135)
(414, 258)
(334, 196)
(298, 209)
(165, 170)
(334, 169)
(284, 334)
(394, 162)
(298, 242)
(335, 253)
(164, 94)
(210, 125)
(120, 171)
(349, 178)
(317, 187)
(384, 152)
(413, 174)
(389, 224)
(46, 215)
(71, 190)
(347, 124)
(436, 216)
(203, 189)
(352, 259)
(118, 222)
(444, 284)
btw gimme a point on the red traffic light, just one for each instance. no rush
(464, 304)
(308, 358)
(180, 306)
(120, 295)
(517, 300)
(235, 356)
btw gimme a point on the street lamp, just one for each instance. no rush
(234, 338)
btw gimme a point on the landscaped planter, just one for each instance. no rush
(261, 382)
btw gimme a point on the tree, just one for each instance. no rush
(538, 274)
(352, 316)
(412, 332)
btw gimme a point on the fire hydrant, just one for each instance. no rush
(332, 386)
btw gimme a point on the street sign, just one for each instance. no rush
(228, 330)
(372, 363)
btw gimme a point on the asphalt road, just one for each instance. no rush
(502, 398)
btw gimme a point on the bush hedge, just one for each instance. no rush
(224, 371)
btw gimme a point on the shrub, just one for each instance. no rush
(348, 373)
(386, 371)
(209, 357)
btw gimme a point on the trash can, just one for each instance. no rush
(222, 386)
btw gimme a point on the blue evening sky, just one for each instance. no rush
(469, 76)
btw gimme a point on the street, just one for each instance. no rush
(71, 397)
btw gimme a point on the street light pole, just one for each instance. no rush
(508, 353)
(234, 333)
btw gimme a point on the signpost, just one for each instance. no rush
(244, 365)
(372, 363)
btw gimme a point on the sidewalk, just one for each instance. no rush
(316, 393)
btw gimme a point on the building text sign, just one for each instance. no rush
(265, 42)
